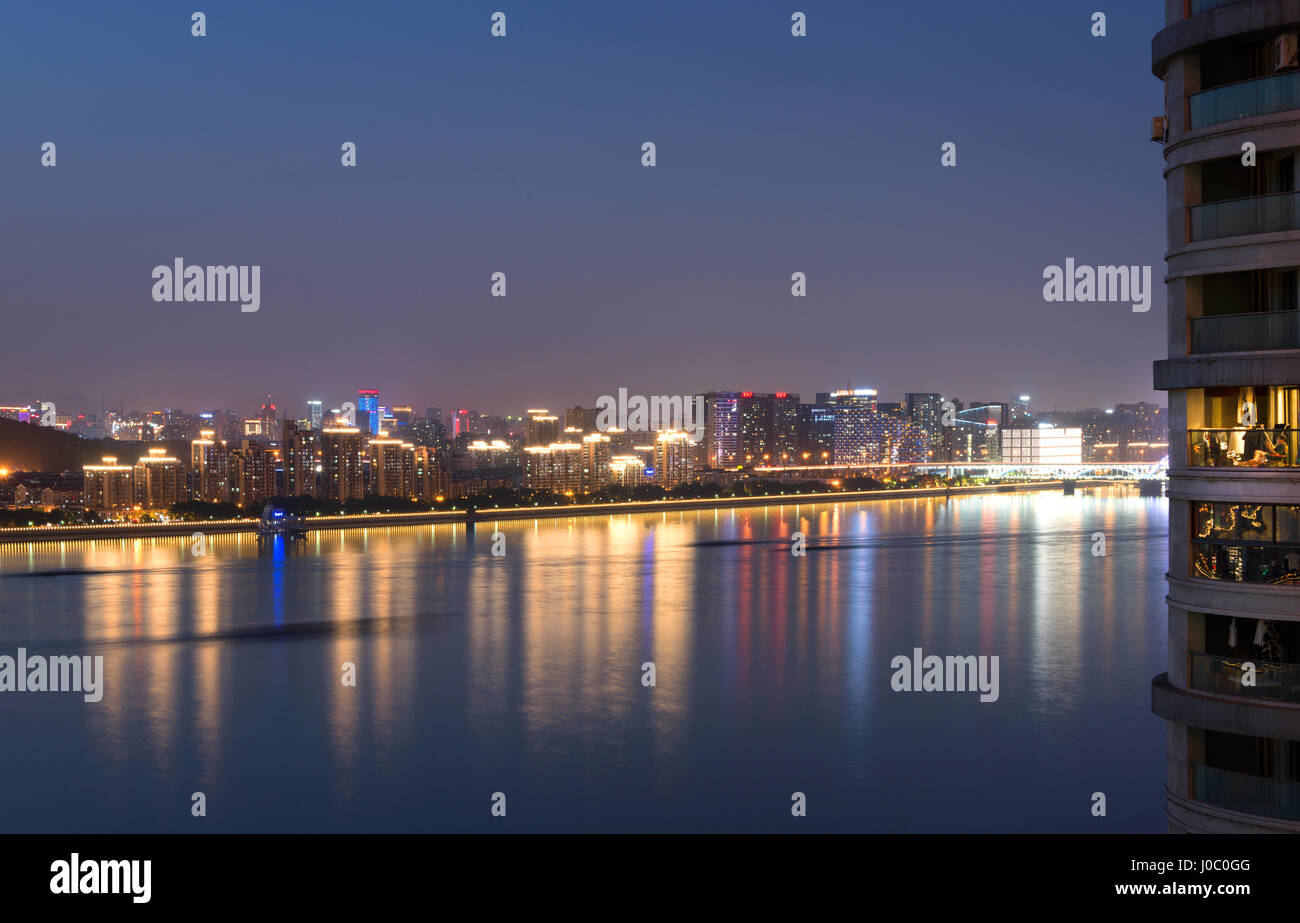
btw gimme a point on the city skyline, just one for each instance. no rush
(81, 403)
(284, 409)
(680, 445)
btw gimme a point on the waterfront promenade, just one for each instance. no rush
(372, 520)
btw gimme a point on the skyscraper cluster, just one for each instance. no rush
(330, 461)
(368, 448)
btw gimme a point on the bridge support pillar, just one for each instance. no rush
(1068, 486)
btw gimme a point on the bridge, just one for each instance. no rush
(1087, 471)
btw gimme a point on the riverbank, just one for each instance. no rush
(382, 520)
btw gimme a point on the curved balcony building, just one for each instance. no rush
(1231, 694)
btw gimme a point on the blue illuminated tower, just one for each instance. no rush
(368, 411)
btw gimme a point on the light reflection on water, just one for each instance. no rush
(522, 674)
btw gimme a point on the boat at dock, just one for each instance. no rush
(276, 521)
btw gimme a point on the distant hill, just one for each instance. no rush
(28, 447)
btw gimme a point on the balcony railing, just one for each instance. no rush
(1240, 562)
(1243, 100)
(1226, 448)
(1251, 215)
(1276, 682)
(1237, 791)
(1229, 333)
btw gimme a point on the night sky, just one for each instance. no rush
(478, 154)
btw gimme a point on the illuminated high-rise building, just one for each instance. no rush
(368, 411)
(403, 417)
(819, 439)
(109, 486)
(926, 411)
(392, 468)
(627, 470)
(583, 419)
(755, 415)
(198, 450)
(209, 468)
(722, 429)
(252, 473)
(783, 429)
(1018, 412)
(300, 448)
(429, 430)
(270, 418)
(542, 428)
(432, 481)
(672, 463)
(1230, 695)
(159, 480)
(342, 470)
(595, 461)
(855, 412)
(556, 467)
(881, 438)
(495, 453)
(316, 414)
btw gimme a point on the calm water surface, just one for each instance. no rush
(522, 674)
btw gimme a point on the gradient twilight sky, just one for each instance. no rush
(522, 154)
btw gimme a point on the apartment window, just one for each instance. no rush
(1246, 543)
